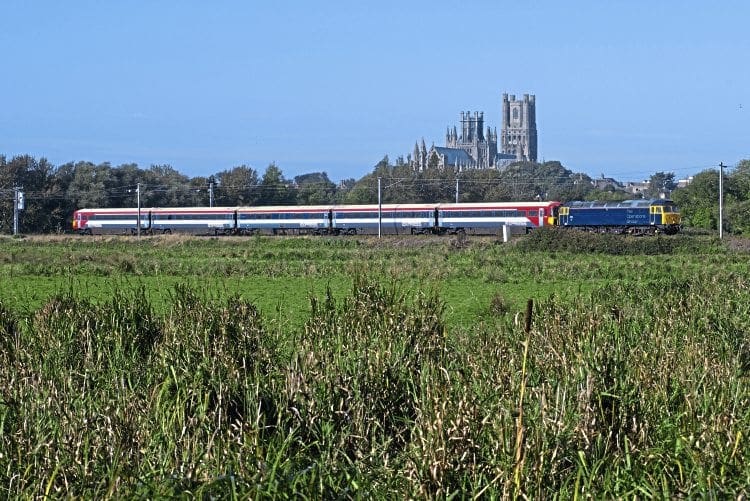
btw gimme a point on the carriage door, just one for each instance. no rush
(541, 217)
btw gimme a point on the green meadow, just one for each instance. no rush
(558, 365)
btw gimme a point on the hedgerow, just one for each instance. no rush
(554, 239)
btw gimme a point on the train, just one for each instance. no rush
(397, 219)
(632, 216)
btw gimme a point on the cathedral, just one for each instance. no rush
(477, 148)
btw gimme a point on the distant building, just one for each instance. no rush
(518, 135)
(643, 188)
(684, 182)
(475, 148)
(604, 183)
(637, 187)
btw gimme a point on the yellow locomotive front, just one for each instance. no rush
(666, 215)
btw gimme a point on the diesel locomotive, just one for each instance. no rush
(629, 216)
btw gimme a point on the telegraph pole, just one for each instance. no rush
(17, 205)
(211, 194)
(138, 198)
(721, 200)
(380, 211)
(456, 189)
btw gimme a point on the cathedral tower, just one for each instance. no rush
(518, 134)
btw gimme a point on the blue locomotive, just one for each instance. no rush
(629, 216)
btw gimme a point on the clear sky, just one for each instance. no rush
(623, 88)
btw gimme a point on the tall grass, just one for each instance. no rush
(626, 389)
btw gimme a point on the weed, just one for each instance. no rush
(350, 375)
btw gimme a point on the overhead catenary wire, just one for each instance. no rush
(129, 190)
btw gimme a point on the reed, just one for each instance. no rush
(626, 388)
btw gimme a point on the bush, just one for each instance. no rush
(555, 239)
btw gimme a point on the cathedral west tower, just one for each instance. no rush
(518, 135)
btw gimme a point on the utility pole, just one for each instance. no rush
(380, 211)
(211, 194)
(138, 198)
(456, 189)
(721, 200)
(18, 205)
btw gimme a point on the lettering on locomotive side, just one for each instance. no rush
(636, 218)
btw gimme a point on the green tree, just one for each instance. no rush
(61, 207)
(315, 189)
(90, 185)
(737, 196)
(400, 185)
(544, 181)
(433, 161)
(125, 179)
(736, 217)
(343, 189)
(237, 186)
(197, 192)
(661, 183)
(165, 187)
(483, 185)
(275, 189)
(609, 194)
(517, 182)
(364, 191)
(740, 180)
(699, 200)
(35, 178)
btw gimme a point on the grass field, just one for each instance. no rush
(365, 367)
(278, 275)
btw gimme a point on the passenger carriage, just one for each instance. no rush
(396, 219)
(315, 219)
(490, 217)
(109, 221)
(198, 220)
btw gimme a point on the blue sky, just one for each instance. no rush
(623, 88)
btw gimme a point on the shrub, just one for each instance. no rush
(554, 239)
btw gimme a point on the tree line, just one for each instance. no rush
(52, 192)
(699, 200)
